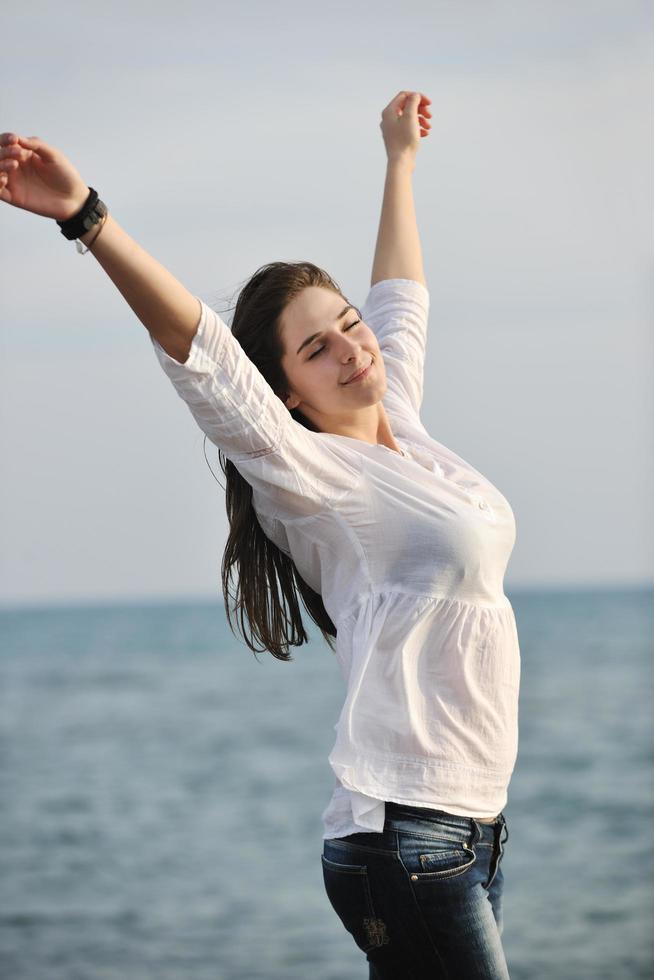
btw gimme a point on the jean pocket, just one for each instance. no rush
(348, 891)
(437, 863)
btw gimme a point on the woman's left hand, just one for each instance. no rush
(404, 121)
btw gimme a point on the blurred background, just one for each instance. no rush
(161, 790)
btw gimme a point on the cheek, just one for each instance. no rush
(316, 377)
(373, 347)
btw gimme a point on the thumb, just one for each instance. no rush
(411, 102)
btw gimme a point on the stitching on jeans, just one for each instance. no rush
(384, 851)
(374, 927)
(376, 932)
(371, 922)
(448, 873)
(417, 905)
(345, 844)
(421, 833)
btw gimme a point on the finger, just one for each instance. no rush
(38, 146)
(14, 153)
(5, 194)
(11, 151)
(7, 138)
(8, 165)
(424, 102)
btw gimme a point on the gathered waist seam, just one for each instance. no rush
(370, 593)
(420, 762)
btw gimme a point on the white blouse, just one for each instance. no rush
(408, 553)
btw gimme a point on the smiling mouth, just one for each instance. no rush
(360, 374)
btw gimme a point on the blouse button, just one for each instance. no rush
(482, 504)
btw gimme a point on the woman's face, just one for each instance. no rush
(319, 367)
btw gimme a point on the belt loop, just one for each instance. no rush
(476, 833)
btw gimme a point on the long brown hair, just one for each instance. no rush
(268, 585)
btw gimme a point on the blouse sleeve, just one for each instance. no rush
(397, 310)
(286, 465)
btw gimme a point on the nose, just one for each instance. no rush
(351, 348)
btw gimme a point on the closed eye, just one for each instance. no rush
(321, 349)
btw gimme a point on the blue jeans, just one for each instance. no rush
(423, 898)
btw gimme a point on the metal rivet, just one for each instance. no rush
(414, 877)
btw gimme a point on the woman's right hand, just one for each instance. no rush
(38, 178)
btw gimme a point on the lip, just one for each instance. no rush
(360, 376)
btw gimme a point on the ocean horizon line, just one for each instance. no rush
(125, 601)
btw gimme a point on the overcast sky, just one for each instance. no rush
(225, 136)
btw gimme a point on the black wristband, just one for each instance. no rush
(91, 212)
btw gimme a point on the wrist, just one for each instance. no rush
(404, 161)
(74, 204)
(90, 214)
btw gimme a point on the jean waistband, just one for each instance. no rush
(425, 820)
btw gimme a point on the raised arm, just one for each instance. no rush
(39, 178)
(398, 254)
(290, 469)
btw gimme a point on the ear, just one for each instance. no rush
(291, 401)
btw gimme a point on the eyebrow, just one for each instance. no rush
(314, 335)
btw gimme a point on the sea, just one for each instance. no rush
(161, 791)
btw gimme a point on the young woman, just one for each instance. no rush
(338, 495)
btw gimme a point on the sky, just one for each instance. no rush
(224, 136)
